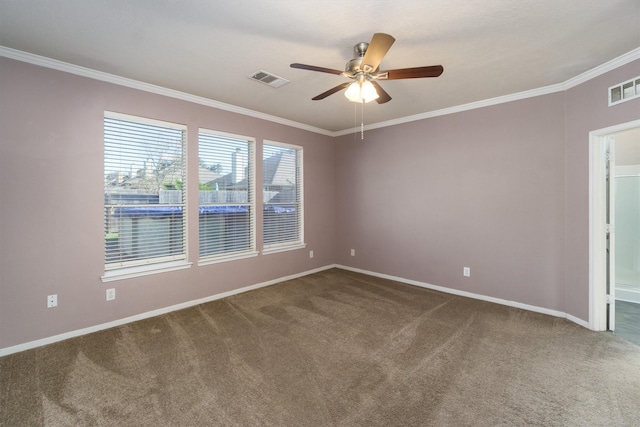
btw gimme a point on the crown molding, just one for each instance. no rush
(560, 87)
(159, 90)
(135, 84)
(458, 108)
(604, 68)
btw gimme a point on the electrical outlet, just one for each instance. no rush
(52, 301)
(353, 252)
(310, 254)
(466, 272)
(111, 294)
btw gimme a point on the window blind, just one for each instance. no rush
(282, 195)
(144, 201)
(226, 206)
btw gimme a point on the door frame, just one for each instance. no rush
(598, 223)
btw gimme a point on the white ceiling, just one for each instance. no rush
(488, 48)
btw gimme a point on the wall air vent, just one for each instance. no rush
(624, 91)
(268, 79)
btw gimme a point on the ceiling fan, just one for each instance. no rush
(364, 72)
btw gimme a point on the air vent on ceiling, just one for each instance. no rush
(268, 79)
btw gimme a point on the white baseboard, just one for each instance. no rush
(627, 293)
(515, 304)
(72, 334)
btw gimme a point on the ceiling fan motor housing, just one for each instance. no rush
(353, 66)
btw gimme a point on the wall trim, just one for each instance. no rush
(603, 68)
(560, 87)
(459, 108)
(153, 313)
(135, 84)
(54, 64)
(466, 294)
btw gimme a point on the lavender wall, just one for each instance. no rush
(51, 179)
(502, 189)
(482, 189)
(587, 110)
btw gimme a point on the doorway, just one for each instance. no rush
(627, 211)
(614, 215)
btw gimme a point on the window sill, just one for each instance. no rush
(283, 248)
(218, 259)
(144, 270)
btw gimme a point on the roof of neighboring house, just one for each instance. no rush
(276, 169)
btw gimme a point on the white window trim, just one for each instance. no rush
(146, 120)
(144, 270)
(289, 246)
(215, 259)
(285, 247)
(114, 273)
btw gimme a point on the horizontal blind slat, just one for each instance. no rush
(282, 201)
(144, 172)
(226, 196)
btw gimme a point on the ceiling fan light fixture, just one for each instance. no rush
(361, 92)
(364, 71)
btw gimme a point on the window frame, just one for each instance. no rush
(300, 243)
(251, 189)
(153, 265)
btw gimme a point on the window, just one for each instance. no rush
(144, 201)
(282, 197)
(226, 206)
(624, 91)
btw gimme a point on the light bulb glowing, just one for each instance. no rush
(353, 92)
(368, 91)
(361, 91)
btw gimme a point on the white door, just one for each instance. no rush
(611, 232)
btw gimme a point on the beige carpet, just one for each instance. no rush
(331, 349)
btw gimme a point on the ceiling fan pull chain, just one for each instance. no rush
(362, 122)
(355, 118)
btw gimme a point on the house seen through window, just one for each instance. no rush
(144, 201)
(282, 194)
(226, 195)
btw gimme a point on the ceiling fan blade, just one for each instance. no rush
(331, 91)
(383, 96)
(378, 48)
(411, 73)
(314, 68)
